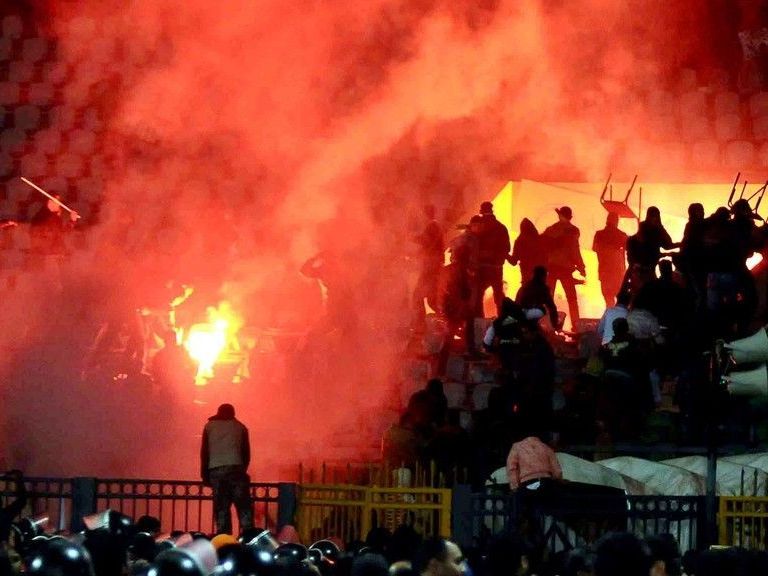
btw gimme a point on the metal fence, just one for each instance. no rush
(743, 522)
(349, 512)
(50, 497)
(180, 504)
(569, 522)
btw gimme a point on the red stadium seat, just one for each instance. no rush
(739, 154)
(705, 154)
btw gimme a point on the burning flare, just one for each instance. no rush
(206, 342)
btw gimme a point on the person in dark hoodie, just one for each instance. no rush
(526, 250)
(224, 457)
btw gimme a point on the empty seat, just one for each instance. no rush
(41, 93)
(34, 166)
(661, 103)
(6, 165)
(687, 80)
(56, 73)
(12, 26)
(10, 93)
(762, 155)
(27, 117)
(727, 103)
(62, 117)
(69, 165)
(16, 191)
(89, 189)
(673, 154)
(48, 141)
(739, 154)
(53, 185)
(705, 154)
(92, 119)
(82, 142)
(728, 127)
(760, 127)
(12, 141)
(21, 71)
(662, 127)
(693, 104)
(6, 49)
(34, 49)
(693, 129)
(758, 104)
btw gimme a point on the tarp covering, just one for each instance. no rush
(657, 477)
(733, 478)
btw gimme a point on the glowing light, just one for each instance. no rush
(206, 342)
(754, 260)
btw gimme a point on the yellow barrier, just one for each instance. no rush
(349, 512)
(743, 521)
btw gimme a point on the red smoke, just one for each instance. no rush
(282, 128)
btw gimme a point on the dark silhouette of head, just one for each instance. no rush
(540, 274)
(486, 208)
(528, 228)
(653, 216)
(612, 220)
(226, 411)
(695, 212)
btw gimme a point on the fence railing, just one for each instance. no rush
(388, 474)
(743, 522)
(349, 511)
(569, 522)
(178, 504)
(51, 497)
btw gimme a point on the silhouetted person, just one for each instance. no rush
(526, 251)
(692, 259)
(225, 454)
(48, 228)
(431, 248)
(458, 298)
(494, 249)
(644, 249)
(563, 258)
(535, 295)
(664, 298)
(609, 244)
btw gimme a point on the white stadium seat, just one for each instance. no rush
(34, 166)
(69, 165)
(41, 93)
(12, 27)
(758, 104)
(728, 127)
(27, 117)
(705, 154)
(727, 103)
(693, 129)
(693, 104)
(13, 140)
(81, 141)
(34, 49)
(10, 93)
(739, 154)
(48, 141)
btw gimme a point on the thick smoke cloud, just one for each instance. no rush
(241, 138)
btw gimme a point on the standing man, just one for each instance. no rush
(561, 242)
(224, 457)
(609, 245)
(494, 249)
(431, 253)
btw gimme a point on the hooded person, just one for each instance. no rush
(225, 454)
(526, 251)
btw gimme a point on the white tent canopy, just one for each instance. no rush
(733, 478)
(659, 478)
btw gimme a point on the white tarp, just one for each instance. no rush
(577, 469)
(733, 478)
(657, 477)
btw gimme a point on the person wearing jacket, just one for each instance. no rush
(225, 454)
(561, 242)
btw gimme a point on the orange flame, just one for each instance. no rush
(206, 342)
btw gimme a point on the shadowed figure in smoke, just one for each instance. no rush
(460, 283)
(493, 251)
(527, 251)
(561, 243)
(431, 249)
(644, 249)
(609, 246)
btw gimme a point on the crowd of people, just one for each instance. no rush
(668, 301)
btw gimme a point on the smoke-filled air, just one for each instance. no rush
(257, 175)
